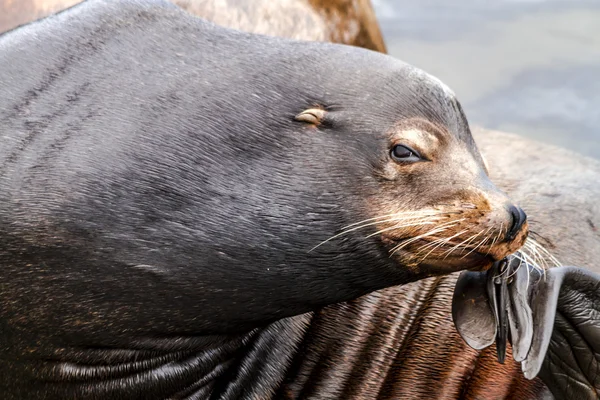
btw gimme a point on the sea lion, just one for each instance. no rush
(367, 349)
(388, 343)
(154, 225)
(340, 21)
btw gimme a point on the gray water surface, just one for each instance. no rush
(526, 66)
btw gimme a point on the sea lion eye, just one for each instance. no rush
(402, 153)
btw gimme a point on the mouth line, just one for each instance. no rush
(472, 260)
(475, 261)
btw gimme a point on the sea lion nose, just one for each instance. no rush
(518, 219)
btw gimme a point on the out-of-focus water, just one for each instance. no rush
(527, 66)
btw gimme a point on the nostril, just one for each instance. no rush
(518, 219)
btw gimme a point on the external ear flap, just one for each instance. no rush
(471, 311)
(566, 340)
(313, 116)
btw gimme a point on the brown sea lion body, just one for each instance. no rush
(338, 21)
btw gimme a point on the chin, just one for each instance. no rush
(472, 262)
(443, 266)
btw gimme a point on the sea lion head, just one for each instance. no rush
(427, 193)
(266, 176)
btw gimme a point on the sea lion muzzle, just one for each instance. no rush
(518, 220)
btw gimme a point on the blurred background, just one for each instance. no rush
(530, 67)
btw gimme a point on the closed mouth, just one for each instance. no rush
(475, 261)
(446, 257)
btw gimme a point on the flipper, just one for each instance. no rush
(552, 319)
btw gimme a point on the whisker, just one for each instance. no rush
(536, 236)
(445, 225)
(344, 232)
(480, 243)
(403, 242)
(539, 259)
(409, 241)
(442, 243)
(398, 227)
(464, 244)
(535, 268)
(483, 242)
(525, 257)
(408, 214)
(540, 262)
(543, 251)
(484, 239)
(517, 270)
(534, 254)
(426, 246)
(389, 220)
(430, 244)
(497, 237)
(530, 259)
(414, 239)
(443, 240)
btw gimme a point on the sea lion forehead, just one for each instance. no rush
(426, 79)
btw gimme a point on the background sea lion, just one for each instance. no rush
(339, 21)
(151, 219)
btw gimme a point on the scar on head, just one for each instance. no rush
(313, 116)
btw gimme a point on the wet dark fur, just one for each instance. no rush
(157, 173)
(124, 237)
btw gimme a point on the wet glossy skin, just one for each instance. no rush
(186, 221)
(372, 331)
